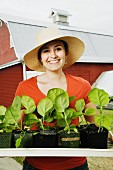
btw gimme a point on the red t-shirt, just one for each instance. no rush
(77, 87)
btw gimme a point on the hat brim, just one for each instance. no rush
(75, 50)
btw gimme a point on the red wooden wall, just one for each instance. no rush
(89, 71)
(7, 54)
(9, 80)
(10, 76)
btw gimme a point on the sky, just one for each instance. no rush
(91, 14)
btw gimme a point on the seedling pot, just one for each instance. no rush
(5, 140)
(91, 138)
(69, 140)
(45, 139)
(27, 139)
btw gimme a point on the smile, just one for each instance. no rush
(54, 61)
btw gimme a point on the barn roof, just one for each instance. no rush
(98, 46)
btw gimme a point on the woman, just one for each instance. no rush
(53, 53)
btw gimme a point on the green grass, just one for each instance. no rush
(19, 159)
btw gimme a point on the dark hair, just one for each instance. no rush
(65, 47)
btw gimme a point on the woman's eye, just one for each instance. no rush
(45, 51)
(58, 49)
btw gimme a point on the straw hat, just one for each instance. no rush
(75, 48)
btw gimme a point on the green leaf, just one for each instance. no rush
(69, 121)
(67, 128)
(17, 103)
(28, 103)
(77, 114)
(9, 128)
(73, 127)
(30, 119)
(52, 93)
(18, 142)
(12, 115)
(6, 127)
(90, 111)
(61, 123)
(2, 110)
(71, 113)
(30, 110)
(59, 115)
(2, 118)
(44, 106)
(61, 102)
(103, 121)
(3, 125)
(48, 119)
(111, 97)
(80, 104)
(99, 97)
(71, 98)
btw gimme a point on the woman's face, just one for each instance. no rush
(53, 55)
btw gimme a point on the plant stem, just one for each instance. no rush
(41, 122)
(65, 117)
(100, 118)
(21, 123)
